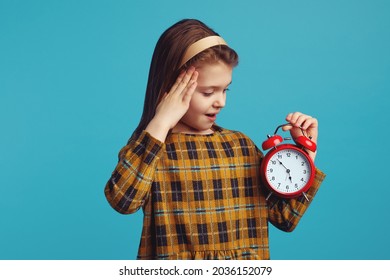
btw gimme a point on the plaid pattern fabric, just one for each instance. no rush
(201, 196)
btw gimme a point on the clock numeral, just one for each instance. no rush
(302, 163)
(273, 178)
(280, 156)
(296, 185)
(304, 171)
(287, 187)
(288, 154)
(271, 170)
(273, 162)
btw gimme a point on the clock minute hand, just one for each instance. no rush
(281, 163)
(287, 170)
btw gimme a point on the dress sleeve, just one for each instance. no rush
(130, 182)
(285, 214)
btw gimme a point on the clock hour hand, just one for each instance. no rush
(289, 175)
(287, 170)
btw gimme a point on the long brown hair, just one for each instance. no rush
(167, 55)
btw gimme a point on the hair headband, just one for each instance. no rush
(200, 46)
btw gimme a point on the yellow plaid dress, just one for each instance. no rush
(201, 195)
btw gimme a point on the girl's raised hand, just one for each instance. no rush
(307, 123)
(173, 105)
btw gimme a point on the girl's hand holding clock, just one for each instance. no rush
(299, 122)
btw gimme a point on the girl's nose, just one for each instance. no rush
(220, 100)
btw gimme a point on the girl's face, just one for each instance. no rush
(207, 100)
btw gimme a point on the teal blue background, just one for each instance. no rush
(72, 82)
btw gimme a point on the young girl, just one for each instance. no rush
(197, 183)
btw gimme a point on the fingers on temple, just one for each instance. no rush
(183, 80)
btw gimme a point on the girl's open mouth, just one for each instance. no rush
(212, 117)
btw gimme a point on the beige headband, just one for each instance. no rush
(200, 46)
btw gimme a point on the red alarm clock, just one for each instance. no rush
(287, 169)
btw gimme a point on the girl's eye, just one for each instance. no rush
(206, 94)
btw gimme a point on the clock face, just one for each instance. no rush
(288, 171)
